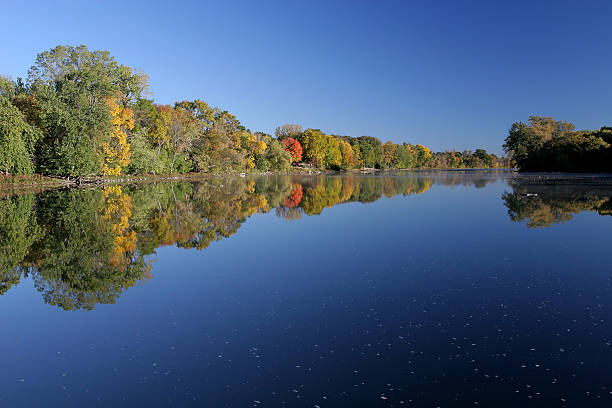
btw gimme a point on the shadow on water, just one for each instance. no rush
(84, 247)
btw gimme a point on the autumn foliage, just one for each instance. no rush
(295, 196)
(117, 152)
(294, 148)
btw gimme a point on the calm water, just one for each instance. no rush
(417, 289)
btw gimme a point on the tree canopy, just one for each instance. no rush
(82, 113)
(546, 144)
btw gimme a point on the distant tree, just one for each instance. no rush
(371, 151)
(333, 155)
(288, 130)
(182, 133)
(277, 157)
(349, 160)
(485, 158)
(546, 144)
(314, 143)
(390, 154)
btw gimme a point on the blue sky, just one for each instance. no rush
(446, 74)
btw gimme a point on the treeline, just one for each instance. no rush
(346, 152)
(83, 247)
(80, 113)
(544, 144)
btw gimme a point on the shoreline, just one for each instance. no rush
(40, 182)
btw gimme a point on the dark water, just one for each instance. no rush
(419, 289)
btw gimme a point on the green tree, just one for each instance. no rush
(17, 140)
(72, 86)
(276, 157)
(371, 151)
(333, 154)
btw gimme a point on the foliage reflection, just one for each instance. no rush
(83, 247)
(542, 205)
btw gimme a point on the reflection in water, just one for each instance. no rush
(542, 205)
(84, 247)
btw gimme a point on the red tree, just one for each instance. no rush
(294, 148)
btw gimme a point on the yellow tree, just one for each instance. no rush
(423, 155)
(389, 154)
(117, 150)
(251, 146)
(159, 134)
(348, 155)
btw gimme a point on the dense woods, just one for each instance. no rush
(81, 113)
(545, 144)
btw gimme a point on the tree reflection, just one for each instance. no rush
(544, 205)
(84, 247)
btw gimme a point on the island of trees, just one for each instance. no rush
(544, 144)
(80, 113)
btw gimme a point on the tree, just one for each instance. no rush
(333, 155)
(371, 151)
(7, 87)
(182, 133)
(103, 73)
(313, 142)
(546, 144)
(277, 158)
(484, 157)
(289, 130)
(160, 126)
(144, 158)
(17, 139)
(294, 148)
(72, 85)
(423, 155)
(389, 158)
(520, 143)
(117, 150)
(348, 155)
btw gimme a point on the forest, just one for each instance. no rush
(81, 113)
(85, 246)
(544, 144)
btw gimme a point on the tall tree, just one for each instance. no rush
(117, 150)
(72, 85)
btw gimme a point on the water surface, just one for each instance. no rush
(407, 289)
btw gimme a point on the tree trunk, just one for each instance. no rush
(173, 159)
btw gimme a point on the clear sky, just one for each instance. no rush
(446, 74)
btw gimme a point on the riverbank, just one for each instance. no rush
(40, 182)
(542, 178)
(9, 182)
